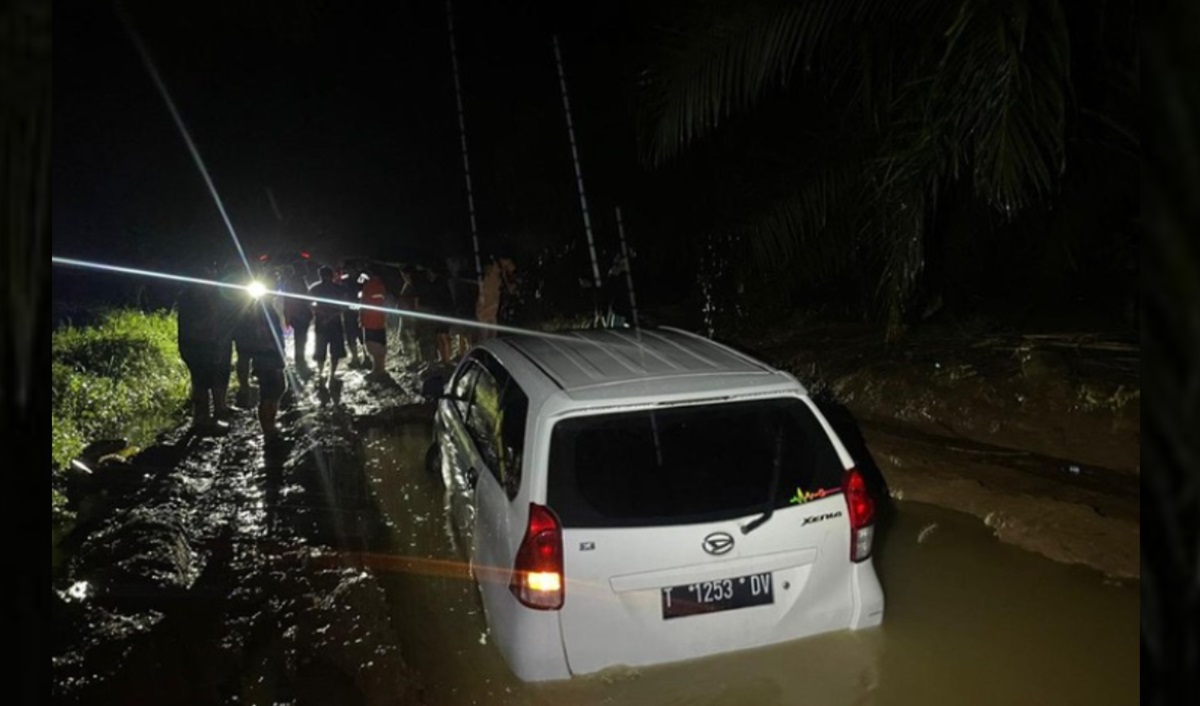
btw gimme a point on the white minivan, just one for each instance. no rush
(641, 497)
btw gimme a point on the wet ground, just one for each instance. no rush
(213, 571)
(1069, 396)
(1037, 435)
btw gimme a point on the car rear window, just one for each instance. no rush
(679, 465)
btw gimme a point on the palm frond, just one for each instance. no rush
(812, 231)
(940, 90)
(901, 229)
(729, 61)
(999, 94)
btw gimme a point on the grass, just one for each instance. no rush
(118, 378)
(565, 322)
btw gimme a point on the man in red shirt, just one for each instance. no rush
(374, 323)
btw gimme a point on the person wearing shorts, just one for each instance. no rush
(409, 343)
(242, 318)
(298, 314)
(261, 346)
(327, 323)
(462, 306)
(351, 281)
(374, 323)
(437, 301)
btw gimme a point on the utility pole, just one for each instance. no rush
(628, 269)
(462, 137)
(587, 219)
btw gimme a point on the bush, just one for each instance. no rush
(566, 322)
(121, 377)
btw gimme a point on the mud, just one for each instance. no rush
(1037, 435)
(217, 571)
(1069, 396)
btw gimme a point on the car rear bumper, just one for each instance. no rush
(530, 642)
(868, 597)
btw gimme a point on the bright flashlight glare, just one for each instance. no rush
(256, 289)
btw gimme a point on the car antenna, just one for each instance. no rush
(633, 308)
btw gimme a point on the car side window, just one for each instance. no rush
(462, 386)
(483, 420)
(514, 408)
(496, 421)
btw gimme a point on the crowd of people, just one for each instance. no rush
(346, 312)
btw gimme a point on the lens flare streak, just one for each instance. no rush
(144, 53)
(249, 289)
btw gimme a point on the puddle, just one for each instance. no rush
(969, 620)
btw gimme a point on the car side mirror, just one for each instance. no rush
(434, 388)
(440, 395)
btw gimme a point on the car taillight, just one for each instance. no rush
(537, 577)
(862, 515)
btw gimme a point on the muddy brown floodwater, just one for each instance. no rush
(970, 620)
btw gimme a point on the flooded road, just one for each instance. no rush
(969, 621)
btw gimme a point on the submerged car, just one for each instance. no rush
(641, 497)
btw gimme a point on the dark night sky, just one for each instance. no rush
(346, 111)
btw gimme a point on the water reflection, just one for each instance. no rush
(969, 621)
(79, 590)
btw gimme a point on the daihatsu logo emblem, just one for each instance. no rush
(718, 543)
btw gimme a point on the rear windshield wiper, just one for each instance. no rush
(762, 519)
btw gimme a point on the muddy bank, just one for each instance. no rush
(1092, 520)
(1038, 436)
(1068, 396)
(214, 571)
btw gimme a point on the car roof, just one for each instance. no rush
(578, 361)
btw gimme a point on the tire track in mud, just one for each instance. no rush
(1036, 435)
(1067, 512)
(214, 571)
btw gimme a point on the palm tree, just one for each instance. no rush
(883, 106)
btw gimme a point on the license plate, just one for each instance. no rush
(714, 596)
